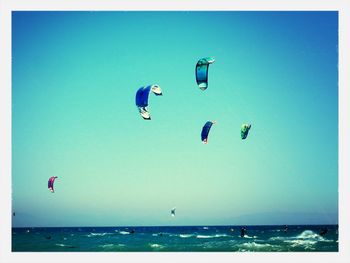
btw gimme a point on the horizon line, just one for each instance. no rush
(334, 224)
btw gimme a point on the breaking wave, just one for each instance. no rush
(253, 246)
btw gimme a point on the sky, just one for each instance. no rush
(74, 80)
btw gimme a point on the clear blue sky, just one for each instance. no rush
(75, 75)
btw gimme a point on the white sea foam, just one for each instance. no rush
(253, 246)
(306, 239)
(124, 233)
(112, 245)
(98, 234)
(307, 234)
(156, 246)
(277, 238)
(65, 245)
(310, 235)
(61, 245)
(304, 243)
(214, 236)
(186, 235)
(256, 245)
(246, 236)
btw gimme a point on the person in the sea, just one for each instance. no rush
(132, 231)
(243, 230)
(323, 231)
(285, 229)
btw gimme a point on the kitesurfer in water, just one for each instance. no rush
(323, 231)
(243, 230)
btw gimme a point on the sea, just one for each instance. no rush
(293, 238)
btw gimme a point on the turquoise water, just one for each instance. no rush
(182, 239)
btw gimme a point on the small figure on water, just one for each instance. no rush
(243, 231)
(323, 231)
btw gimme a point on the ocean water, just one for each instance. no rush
(182, 239)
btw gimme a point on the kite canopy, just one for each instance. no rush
(202, 68)
(245, 130)
(173, 211)
(205, 131)
(141, 99)
(50, 183)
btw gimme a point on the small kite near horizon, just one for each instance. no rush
(173, 212)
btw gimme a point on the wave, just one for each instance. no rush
(303, 243)
(111, 245)
(307, 234)
(310, 235)
(98, 234)
(246, 236)
(214, 236)
(124, 232)
(65, 245)
(307, 239)
(156, 246)
(185, 235)
(253, 246)
(277, 238)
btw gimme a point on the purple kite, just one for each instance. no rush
(50, 183)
